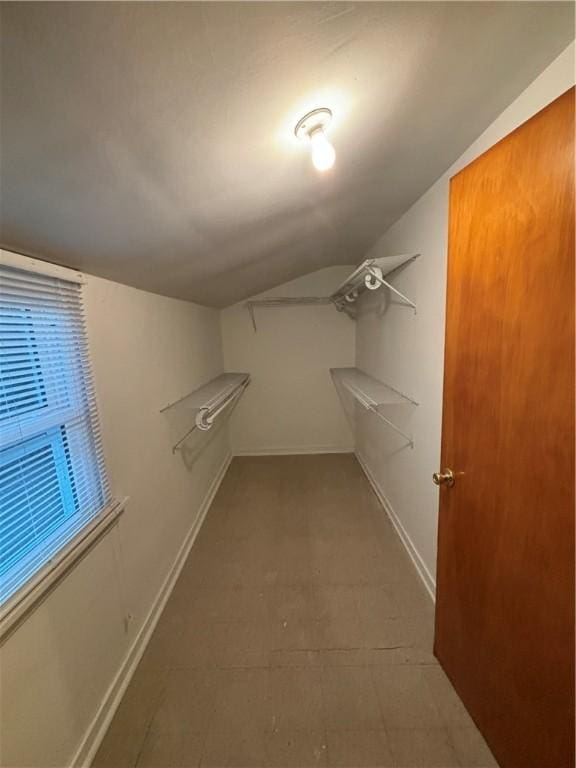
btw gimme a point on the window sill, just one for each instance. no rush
(32, 594)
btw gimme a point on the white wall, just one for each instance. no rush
(407, 350)
(57, 667)
(291, 404)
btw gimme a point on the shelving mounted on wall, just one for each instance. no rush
(370, 276)
(283, 301)
(210, 401)
(372, 394)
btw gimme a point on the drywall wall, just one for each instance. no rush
(291, 405)
(59, 664)
(407, 350)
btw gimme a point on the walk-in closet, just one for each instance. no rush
(287, 384)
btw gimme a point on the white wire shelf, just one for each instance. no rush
(371, 390)
(210, 401)
(275, 302)
(372, 394)
(370, 276)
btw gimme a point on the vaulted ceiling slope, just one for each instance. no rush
(151, 143)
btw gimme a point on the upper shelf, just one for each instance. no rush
(284, 301)
(368, 390)
(213, 394)
(370, 276)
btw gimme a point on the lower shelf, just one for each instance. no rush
(372, 394)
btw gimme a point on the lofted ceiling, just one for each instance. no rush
(152, 143)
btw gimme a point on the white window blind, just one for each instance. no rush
(52, 474)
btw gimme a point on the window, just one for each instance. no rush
(52, 475)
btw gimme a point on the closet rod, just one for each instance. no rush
(205, 416)
(205, 419)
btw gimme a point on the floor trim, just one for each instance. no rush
(99, 725)
(421, 567)
(295, 450)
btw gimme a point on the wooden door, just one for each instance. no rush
(505, 601)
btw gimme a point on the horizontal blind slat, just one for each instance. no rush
(52, 471)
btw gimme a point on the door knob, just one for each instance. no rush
(446, 477)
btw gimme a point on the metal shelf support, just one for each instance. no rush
(377, 275)
(370, 275)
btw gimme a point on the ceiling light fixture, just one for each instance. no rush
(311, 128)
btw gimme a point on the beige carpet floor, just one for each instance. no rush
(298, 634)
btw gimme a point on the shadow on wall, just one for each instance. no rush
(186, 439)
(387, 443)
(199, 441)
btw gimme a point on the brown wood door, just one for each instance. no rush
(505, 599)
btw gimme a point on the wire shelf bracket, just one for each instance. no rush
(370, 276)
(372, 394)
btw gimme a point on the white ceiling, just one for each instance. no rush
(151, 143)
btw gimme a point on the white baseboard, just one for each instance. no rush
(421, 567)
(99, 725)
(294, 450)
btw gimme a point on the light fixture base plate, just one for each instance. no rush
(317, 118)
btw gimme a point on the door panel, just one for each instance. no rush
(505, 599)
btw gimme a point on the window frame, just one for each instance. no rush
(43, 580)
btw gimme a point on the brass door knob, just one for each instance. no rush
(446, 477)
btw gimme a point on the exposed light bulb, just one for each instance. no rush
(323, 153)
(311, 128)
